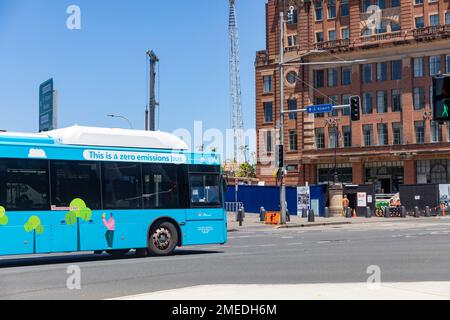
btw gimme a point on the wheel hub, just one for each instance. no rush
(161, 238)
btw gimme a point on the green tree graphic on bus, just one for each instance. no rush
(3, 217)
(78, 210)
(34, 224)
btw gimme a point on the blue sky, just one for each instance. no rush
(101, 68)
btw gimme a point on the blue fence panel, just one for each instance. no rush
(255, 197)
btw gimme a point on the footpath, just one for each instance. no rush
(252, 222)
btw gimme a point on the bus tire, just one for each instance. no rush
(118, 253)
(163, 239)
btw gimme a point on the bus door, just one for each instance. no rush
(206, 218)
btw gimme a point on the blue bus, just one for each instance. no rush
(114, 190)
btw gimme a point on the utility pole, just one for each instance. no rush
(281, 146)
(153, 60)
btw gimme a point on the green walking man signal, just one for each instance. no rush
(441, 98)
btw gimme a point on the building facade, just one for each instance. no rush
(395, 142)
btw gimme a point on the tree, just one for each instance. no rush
(246, 170)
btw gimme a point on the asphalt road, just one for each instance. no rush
(404, 251)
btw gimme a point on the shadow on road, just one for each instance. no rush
(27, 261)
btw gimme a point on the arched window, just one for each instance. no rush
(438, 174)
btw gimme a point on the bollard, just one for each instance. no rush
(304, 213)
(402, 212)
(387, 212)
(416, 212)
(327, 212)
(240, 216)
(262, 214)
(368, 212)
(427, 212)
(311, 217)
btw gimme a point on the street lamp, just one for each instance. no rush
(121, 117)
(333, 123)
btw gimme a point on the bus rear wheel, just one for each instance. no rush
(163, 239)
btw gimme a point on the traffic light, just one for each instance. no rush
(441, 98)
(280, 156)
(355, 109)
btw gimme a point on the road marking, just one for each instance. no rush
(295, 244)
(267, 245)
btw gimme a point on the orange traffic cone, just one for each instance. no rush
(354, 213)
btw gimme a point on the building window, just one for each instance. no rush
(346, 101)
(447, 18)
(319, 37)
(447, 64)
(433, 171)
(334, 101)
(396, 70)
(382, 101)
(365, 5)
(292, 40)
(418, 68)
(396, 100)
(419, 131)
(268, 112)
(347, 136)
(331, 9)
(381, 4)
(346, 76)
(435, 65)
(434, 20)
(332, 35)
(345, 10)
(368, 135)
(333, 138)
(268, 141)
(418, 1)
(436, 132)
(367, 73)
(419, 22)
(292, 105)
(419, 98)
(397, 133)
(267, 84)
(293, 140)
(382, 134)
(319, 10)
(395, 3)
(332, 77)
(382, 71)
(291, 77)
(367, 103)
(319, 100)
(320, 138)
(345, 33)
(319, 78)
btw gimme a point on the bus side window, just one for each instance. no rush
(24, 184)
(205, 189)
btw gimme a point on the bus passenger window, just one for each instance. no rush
(205, 190)
(122, 187)
(160, 186)
(24, 185)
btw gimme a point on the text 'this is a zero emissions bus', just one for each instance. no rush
(97, 189)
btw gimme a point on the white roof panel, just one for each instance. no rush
(90, 136)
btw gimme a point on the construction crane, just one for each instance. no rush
(237, 121)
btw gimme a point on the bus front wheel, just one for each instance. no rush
(163, 239)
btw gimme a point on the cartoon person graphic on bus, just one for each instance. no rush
(110, 225)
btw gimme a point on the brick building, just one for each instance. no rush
(395, 142)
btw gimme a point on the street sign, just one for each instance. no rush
(320, 108)
(47, 106)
